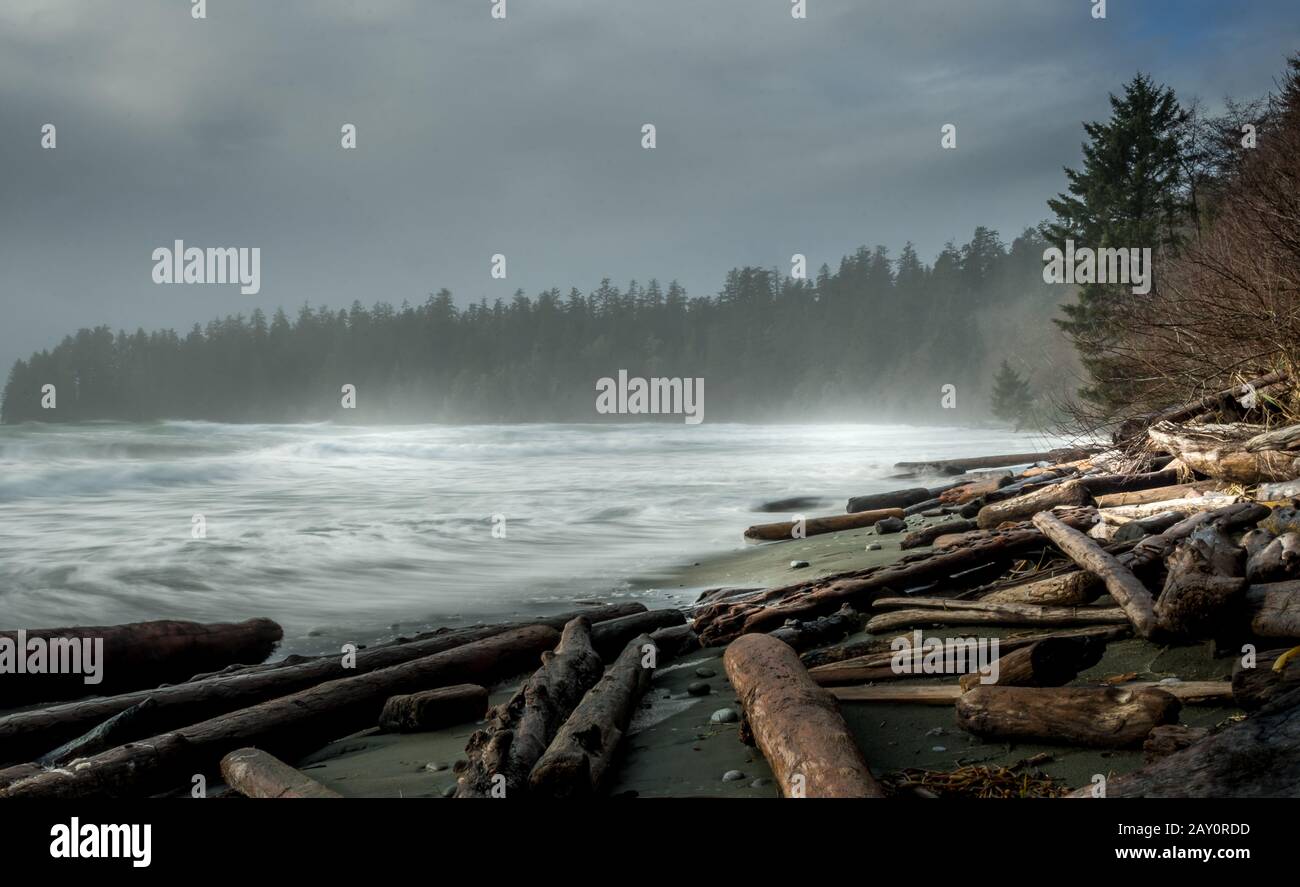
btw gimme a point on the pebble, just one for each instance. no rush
(874, 546)
(698, 688)
(724, 716)
(435, 766)
(939, 748)
(937, 731)
(705, 673)
(732, 776)
(798, 565)
(761, 782)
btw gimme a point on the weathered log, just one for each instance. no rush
(1274, 609)
(997, 614)
(1111, 484)
(963, 465)
(802, 634)
(1204, 586)
(1276, 561)
(794, 503)
(1123, 514)
(611, 636)
(26, 735)
(925, 507)
(1148, 526)
(815, 526)
(1063, 590)
(925, 535)
(1286, 490)
(255, 774)
(1219, 451)
(502, 754)
(286, 726)
(1273, 675)
(1110, 717)
(1124, 587)
(1051, 662)
(581, 755)
(128, 657)
(1258, 757)
(880, 664)
(434, 709)
(796, 724)
(838, 653)
(1071, 492)
(1214, 693)
(1166, 739)
(761, 613)
(677, 640)
(1159, 494)
(894, 499)
(974, 490)
(138, 720)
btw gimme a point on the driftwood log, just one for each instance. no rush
(815, 526)
(255, 774)
(795, 723)
(1216, 693)
(1274, 609)
(1219, 452)
(502, 754)
(434, 709)
(760, 613)
(981, 613)
(926, 535)
(611, 636)
(1166, 739)
(287, 726)
(1265, 680)
(961, 465)
(1158, 494)
(1109, 717)
(1131, 595)
(580, 757)
(1070, 492)
(1203, 587)
(139, 654)
(894, 499)
(1051, 662)
(27, 735)
(1258, 757)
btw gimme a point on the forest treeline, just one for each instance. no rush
(875, 338)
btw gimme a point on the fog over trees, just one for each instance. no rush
(873, 339)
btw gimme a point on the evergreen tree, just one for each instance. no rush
(1012, 399)
(1127, 195)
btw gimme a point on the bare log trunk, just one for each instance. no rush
(796, 724)
(1266, 680)
(581, 755)
(962, 465)
(1065, 590)
(287, 726)
(815, 526)
(1158, 494)
(1124, 587)
(1071, 492)
(611, 636)
(434, 709)
(895, 499)
(925, 535)
(140, 654)
(1274, 609)
(998, 614)
(1051, 662)
(26, 735)
(1111, 717)
(255, 774)
(502, 754)
(1165, 740)
(1204, 586)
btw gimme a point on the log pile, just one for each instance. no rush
(1191, 537)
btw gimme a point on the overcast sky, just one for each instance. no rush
(523, 137)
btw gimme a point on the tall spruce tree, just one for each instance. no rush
(1012, 399)
(1128, 194)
